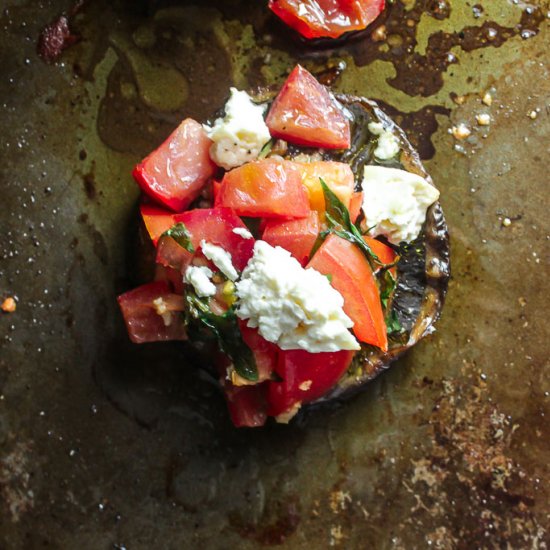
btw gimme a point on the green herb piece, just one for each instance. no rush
(388, 286)
(181, 235)
(266, 149)
(340, 224)
(392, 323)
(227, 333)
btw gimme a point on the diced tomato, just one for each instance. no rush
(156, 220)
(338, 177)
(140, 314)
(216, 186)
(265, 353)
(175, 173)
(326, 18)
(306, 376)
(171, 276)
(270, 188)
(305, 113)
(385, 254)
(352, 277)
(247, 404)
(171, 254)
(355, 205)
(215, 225)
(296, 236)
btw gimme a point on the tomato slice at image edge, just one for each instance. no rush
(326, 18)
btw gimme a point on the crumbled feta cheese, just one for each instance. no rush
(387, 145)
(221, 259)
(243, 232)
(241, 134)
(162, 309)
(160, 305)
(293, 307)
(288, 415)
(199, 277)
(395, 202)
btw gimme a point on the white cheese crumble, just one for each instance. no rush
(199, 277)
(220, 258)
(162, 309)
(295, 308)
(243, 232)
(241, 134)
(387, 145)
(395, 202)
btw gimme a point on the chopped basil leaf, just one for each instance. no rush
(392, 323)
(266, 149)
(181, 235)
(340, 224)
(227, 333)
(388, 286)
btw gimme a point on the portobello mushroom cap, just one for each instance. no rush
(423, 270)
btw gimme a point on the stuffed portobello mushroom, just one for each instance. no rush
(299, 244)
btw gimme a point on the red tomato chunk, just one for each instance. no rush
(175, 173)
(143, 322)
(247, 404)
(306, 376)
(215, 226)
(296, 236)
(326, 18)
(269, 188)
(156, 220)
(305, 113)
(352, 277)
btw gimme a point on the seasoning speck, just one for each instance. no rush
(483, 119)
(487, 99)
(461, 131)
(8, 305)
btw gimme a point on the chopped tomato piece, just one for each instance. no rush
(215, 226)
(171, 254)
(247, 404)
(270, 188)
(355, 205)
(305, 113)
(305, 377)
(296, 236)
(338, 177)
(156, 220)
(175, 173)
(143, 317)
(326, 18)
(171, 276)
(385, 254)
(265, 353)
(352, 277)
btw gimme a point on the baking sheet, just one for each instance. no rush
(104, 444)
